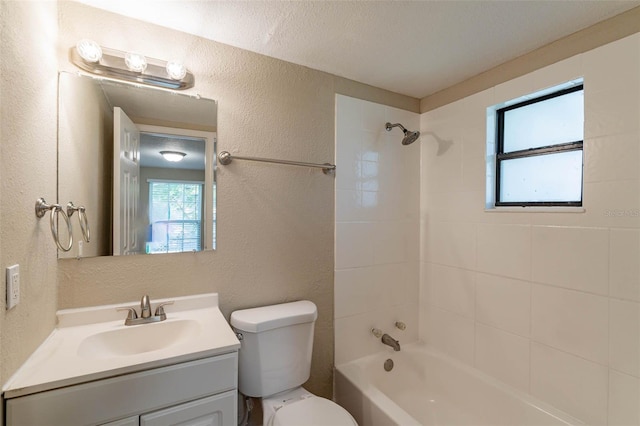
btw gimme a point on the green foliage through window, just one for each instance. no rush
(175, 214)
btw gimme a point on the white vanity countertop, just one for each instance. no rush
(63, 359)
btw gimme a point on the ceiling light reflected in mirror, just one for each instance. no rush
(173, 156)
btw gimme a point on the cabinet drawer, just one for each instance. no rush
(217, 410)
(119, 397)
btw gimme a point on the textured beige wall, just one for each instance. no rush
(28, 171)
(276, 223)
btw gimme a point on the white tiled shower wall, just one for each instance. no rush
(547, 302)
(377, 227)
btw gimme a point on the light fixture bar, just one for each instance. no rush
(112, 64)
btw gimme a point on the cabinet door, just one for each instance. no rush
(129, 421)
(217, 410)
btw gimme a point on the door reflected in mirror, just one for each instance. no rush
(142, 161)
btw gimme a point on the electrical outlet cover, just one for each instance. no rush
(13, 286)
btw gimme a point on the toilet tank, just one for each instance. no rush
(275, 347)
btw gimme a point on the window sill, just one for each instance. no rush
(535, 209)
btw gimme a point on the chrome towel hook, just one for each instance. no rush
(56, 209)
(82, 218)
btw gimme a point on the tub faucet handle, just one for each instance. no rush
(401, 326)
(376, 332)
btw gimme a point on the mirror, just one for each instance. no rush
(142, 162)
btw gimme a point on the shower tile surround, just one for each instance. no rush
(547, 302)
(377, 227)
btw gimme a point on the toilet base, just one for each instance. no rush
(298, 407)
(273, 403)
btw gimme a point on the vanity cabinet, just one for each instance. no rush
(201, 392)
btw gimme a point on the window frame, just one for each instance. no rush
(531, 152)
(168, 222)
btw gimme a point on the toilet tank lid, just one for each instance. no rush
(265, 318)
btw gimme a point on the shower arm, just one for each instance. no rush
(390, 126)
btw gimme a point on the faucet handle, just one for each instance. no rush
(145, 307)
(400, 325)
(132, 312)
(376, 332)
(160, 310)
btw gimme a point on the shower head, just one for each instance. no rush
(409, 136)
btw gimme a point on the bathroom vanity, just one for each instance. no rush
(94, 370)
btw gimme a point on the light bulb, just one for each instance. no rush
(173, 156)
(176, 70)
(135, 62)
(89, 50)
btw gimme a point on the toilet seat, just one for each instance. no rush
(314, 411)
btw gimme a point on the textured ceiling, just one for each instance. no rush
(411, 47)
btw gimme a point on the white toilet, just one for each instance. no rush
(275, 360)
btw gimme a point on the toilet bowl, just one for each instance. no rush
(276, 343)
(302, 408)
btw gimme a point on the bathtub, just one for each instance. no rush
(427, 388)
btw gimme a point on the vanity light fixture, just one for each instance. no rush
(176, 70)
(135, 62)
(173, 156)
(89, 50)
(129, 66)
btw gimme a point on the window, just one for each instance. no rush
(539, 150)
(175, 215)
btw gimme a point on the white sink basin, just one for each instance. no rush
(93, 343)
(137, 339)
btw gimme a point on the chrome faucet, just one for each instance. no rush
(390, 341)
(145, 307)
(145, 312)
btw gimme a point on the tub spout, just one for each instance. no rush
(390, 341)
